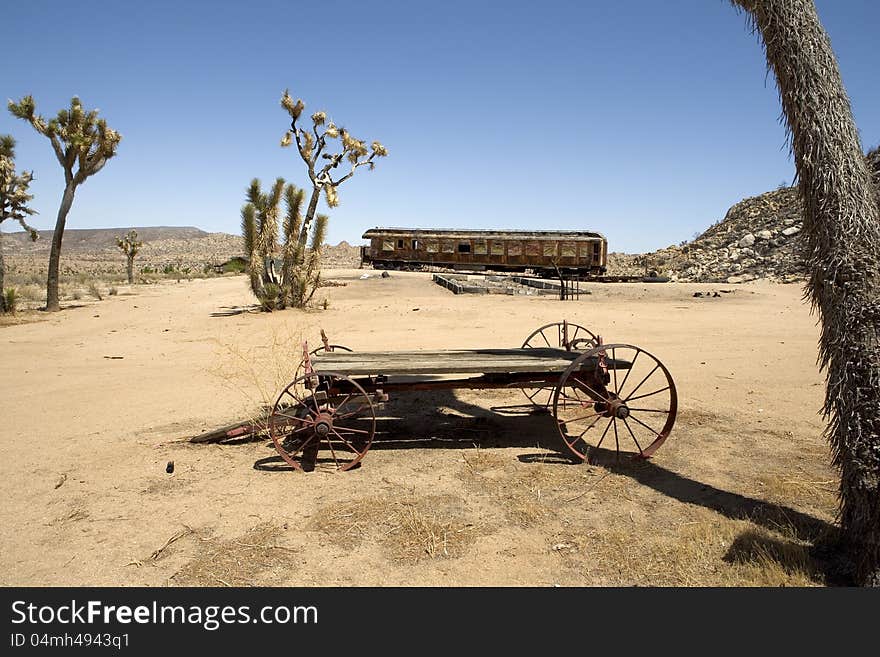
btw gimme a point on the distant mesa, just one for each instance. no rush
(91, 239)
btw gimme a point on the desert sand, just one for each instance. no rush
(457, 489)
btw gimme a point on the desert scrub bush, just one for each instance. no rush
(10, 298)
(270, 297)
(95, 292)
(113, 291)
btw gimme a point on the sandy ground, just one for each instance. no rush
(457, 489)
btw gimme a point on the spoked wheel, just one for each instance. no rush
(561, 335)
(323, 420)
(615, 394)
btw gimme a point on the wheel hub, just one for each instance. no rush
(613, 408)
(323, 424)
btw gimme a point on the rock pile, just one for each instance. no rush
(758, 238)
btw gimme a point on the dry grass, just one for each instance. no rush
(528, 493)
(709, 551)
(408, 529)
(259, 373)
(247, 560)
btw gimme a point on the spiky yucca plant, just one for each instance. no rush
(299, 274)
(259, 227)
(842, 239)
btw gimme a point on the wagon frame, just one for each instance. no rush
(326, 416)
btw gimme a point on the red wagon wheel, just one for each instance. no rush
(324, 419)
(561, 335)
(619, 393)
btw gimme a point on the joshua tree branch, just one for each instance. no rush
(353, 169)
(299, 147)
(25, 226)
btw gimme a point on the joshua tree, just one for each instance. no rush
(842, 242)
(130, 247)
(311, 144)
(14, 199)
(278, 287)
(82, 143)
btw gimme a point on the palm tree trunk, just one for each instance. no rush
(52, 304)
(842, 233)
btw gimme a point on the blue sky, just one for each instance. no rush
(644, 120)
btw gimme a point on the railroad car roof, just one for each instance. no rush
(460, 233)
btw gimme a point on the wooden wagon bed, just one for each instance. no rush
(447, 361)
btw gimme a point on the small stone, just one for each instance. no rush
(747, 240)
(764, 235)
(793, 230)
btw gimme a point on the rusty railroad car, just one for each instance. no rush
(582, 253)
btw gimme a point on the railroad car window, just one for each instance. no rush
(568, 250)
(584, 251)
(480, 247)
(387, 245)
(432, 246)
(415, 245)
(533, 248)
(497, 248)
(549, 249)
(514, 249)
(447, 247)
(464, 247)
(399, 244)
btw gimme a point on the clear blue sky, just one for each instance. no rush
(644, 120)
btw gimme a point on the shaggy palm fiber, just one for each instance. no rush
(842, 241)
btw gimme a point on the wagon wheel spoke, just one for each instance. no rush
(635, 440)
(650, 394)
(642, 382)
(578, 428)
(607, 426)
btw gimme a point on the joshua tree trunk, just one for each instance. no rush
(129, 268)
(842, 234)
(55, 254)
(307, 223)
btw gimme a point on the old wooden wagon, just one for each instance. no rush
(617, 395)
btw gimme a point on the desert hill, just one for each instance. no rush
(94, 239)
